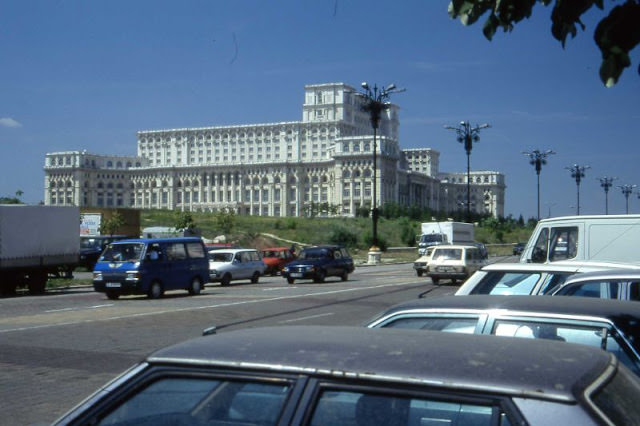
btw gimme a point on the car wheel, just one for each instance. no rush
(196, 287)
(435, 280)
(113, 295)
(37, 282)
(344, 276)
(419, 272)
(255, 278)
(290, 280)
(226, 280)
(320, 276)
(454, 281)
(155, 291)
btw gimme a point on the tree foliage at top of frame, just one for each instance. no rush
(616, 34)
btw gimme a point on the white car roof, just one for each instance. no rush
(233, 251)
(563, 266)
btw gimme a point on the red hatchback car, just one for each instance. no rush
(275, 259)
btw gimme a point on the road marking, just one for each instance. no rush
(197, 308)
(78, 309)
(309, 317)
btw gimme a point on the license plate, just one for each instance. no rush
(445, 269)
(112, 285)
(295, 275)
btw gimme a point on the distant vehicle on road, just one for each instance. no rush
(226, 265)
(606, 324)
(275, 258)
(151, 266)
(318, 263)
(455, 262)
(518, 248)
(310, 375)
(36, 241)
(91, 247)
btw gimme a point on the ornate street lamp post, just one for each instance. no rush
(537, 159)
(577, 172)
(627, 189)
(467, 135)
(606, 182)
(375, 101)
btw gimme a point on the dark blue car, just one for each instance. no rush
(317, 263)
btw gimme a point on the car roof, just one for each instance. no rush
(631, 273)
(230, 250)
(456, 246)
(527, 368)
(560, 266)
(560, 305)
(159, 240)
(625, 315)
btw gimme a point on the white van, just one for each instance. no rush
(607, 238)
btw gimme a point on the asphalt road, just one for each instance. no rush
(58, 348)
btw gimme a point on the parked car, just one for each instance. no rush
(311, 375)
(621, 284)
(275, 258)
(226, 265)
(608, 324)
(319, 262)
(91, 247)
(151, 266)
(455, 262)
(528, 278)
(518, 248)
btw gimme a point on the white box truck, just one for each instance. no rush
(437, 233)
(605, 238)
(36, 241)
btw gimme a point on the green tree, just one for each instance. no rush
(616, 34)
(225, 220)
(111, 225)
(184, 220)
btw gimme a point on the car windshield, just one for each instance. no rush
(431, 238)
(89, 243)
(217, 256)
(128, 252)
(447, 254)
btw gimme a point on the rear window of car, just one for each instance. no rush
(498, 282)
(447, 254)
(191, 400)
(342, 407)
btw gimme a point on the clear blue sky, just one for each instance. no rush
(80, 75)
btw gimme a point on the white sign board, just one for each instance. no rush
(90, 224)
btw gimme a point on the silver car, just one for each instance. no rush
(226, 265)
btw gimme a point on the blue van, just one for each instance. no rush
(152, 266)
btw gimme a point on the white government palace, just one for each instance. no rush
(273, 169)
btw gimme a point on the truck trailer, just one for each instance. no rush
(36, 241)
(437, 233)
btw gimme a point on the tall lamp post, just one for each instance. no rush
(467, 135)
(606, 182)
(375, 101)
(627, 189)
(537, 159)
(577, 172)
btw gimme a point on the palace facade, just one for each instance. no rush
(273, 169)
